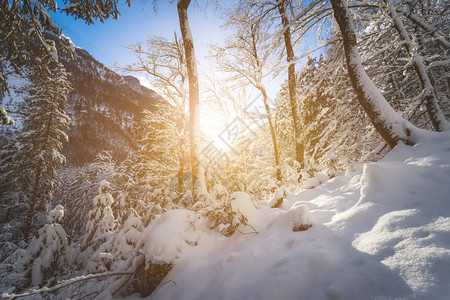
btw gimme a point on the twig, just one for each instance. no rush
(64, 284)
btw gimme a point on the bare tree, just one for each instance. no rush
(290, 58)
(248, 56)
(163, 61)
(279, 12)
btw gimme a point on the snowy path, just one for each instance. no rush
(380, 233)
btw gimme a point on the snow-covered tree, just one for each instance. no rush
(77, 186)
(101, 218)
(389, 124)
(409, 75)
(30, 161)
(280, 12)
(47, 256)
(164, 134)
(194, 95)
(24, 24)
(248, 56)
(121, 252)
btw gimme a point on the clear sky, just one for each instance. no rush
(106, 41)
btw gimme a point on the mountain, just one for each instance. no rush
(105, 109)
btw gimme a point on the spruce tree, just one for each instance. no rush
(101, 218)
(28, 164)
(46, 256)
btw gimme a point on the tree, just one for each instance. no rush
(194, 103)
(23, 34)
(290, 59)
(391, 126)
(160, 160)
(30, 161)
(165, 128)
(429, 94)
(269, 11)
(46, 257)
(247, 57)
(101, 218)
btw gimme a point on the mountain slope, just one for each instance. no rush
(104, 108)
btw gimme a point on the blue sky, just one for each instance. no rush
(106, 41)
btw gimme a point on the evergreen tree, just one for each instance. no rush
(46, 257)
(28, 164)
(101, 218)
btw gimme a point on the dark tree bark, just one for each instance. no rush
(389, 124)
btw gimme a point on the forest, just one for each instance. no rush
(337, 188)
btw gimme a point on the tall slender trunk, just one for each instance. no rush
(194, 103)
(273, 134)
(299, 148)
(181, 158)
(389, 124)
(431, 103)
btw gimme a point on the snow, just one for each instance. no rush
(381, 231)
(378, 231)
(5, 118)
(56, 214)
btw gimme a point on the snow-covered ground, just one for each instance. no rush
(380, 232)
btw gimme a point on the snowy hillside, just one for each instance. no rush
(381, 232)
(105, 109)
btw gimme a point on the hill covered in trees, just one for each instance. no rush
(104, 107)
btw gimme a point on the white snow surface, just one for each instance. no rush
(382, 232)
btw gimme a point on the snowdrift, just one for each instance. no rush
(380, 232)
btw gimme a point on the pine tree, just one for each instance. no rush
(101, 218)
(46, 257)
(29, 163)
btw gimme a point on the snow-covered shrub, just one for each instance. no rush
(101, 219)
(225, 213)
(46, 256)
(163, 242)
(121, 252)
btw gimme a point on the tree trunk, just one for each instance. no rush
(273, 134)
(32, 205)
(389, 124)
(299, 148)
(436, 116)
(194, 104)
(180, 180)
